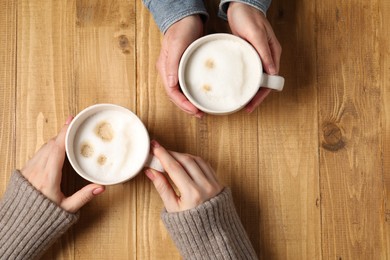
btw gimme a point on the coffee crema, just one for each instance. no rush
(110, 144)
(222, 74)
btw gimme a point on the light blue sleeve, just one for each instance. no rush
(167, 12)
(261, 5)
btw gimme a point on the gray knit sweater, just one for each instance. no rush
(30, 223)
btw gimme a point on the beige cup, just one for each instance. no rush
(220, 73)
(108, 144)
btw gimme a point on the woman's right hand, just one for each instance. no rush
(194, 178)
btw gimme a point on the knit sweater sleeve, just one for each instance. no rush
(212, 230)
(29, 222)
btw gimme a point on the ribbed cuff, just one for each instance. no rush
(212, 230)
(29, 222)
(261, 5)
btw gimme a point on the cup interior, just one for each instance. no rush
(141, 150)
(226, 107)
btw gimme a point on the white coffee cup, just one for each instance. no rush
(108, 144)
(220, 73)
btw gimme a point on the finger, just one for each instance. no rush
(164, 189)
(276, 49)
(38, 161)
(191, 167)
(256, 101)
(207, 170)
(55, 163)
(60, 139)
(57, 154)
(182, 102)
(262, 47)
(174, 169)
(80, 198)
(168, 68)
(172, 61)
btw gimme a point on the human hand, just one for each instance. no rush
(251, 24)
(193, 177)
(44, 172)
(176, 39)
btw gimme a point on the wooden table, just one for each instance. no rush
(309, 169)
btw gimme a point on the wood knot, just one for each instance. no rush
(124, 44)
(333, 138)
(280, 13)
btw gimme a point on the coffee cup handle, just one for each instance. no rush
(273, 82)
(154, 163)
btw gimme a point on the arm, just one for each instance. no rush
(29, 222)
(212, 230)
(261, 5)
(34, 212)
(168, 12)
(202, 220)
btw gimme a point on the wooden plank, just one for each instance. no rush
(67, 62)
(350, 127)
(105, 54)
(384, 63)
(8, 24)
(44, 66)
(287, 142)
(165, 123)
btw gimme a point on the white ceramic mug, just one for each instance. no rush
(108, 144)
(220, 73)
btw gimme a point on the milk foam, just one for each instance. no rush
(113, 158)
(223, 74)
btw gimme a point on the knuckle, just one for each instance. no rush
(197, 197)
(187, 158)
(174, 166)
(161, 187)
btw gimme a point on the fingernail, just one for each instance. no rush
(171, 81)
(199, 115)
(149, 174)
(68, 120)
(248, 110)
(98, 191)
(272, 69)
(155, 144)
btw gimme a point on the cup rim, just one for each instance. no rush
(84, 115)
(188, 52)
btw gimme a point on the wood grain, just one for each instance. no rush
(289, 197)
(349, 129)
(309, 169)
(384, 63)
(8, 29)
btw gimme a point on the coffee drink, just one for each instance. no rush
(220, 73)
(107, 144)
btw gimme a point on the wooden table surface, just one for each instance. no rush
(309, 169)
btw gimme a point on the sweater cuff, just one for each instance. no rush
(262, 6)
(212, 230)
(29, 222)
(168, 12)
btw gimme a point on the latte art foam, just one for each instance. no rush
(110, 144)
(223, 74)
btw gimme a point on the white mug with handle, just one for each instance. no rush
(220, 73)
(108, 144)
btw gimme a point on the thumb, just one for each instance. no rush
(164, 189)
(80, 198)
(172, 66)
